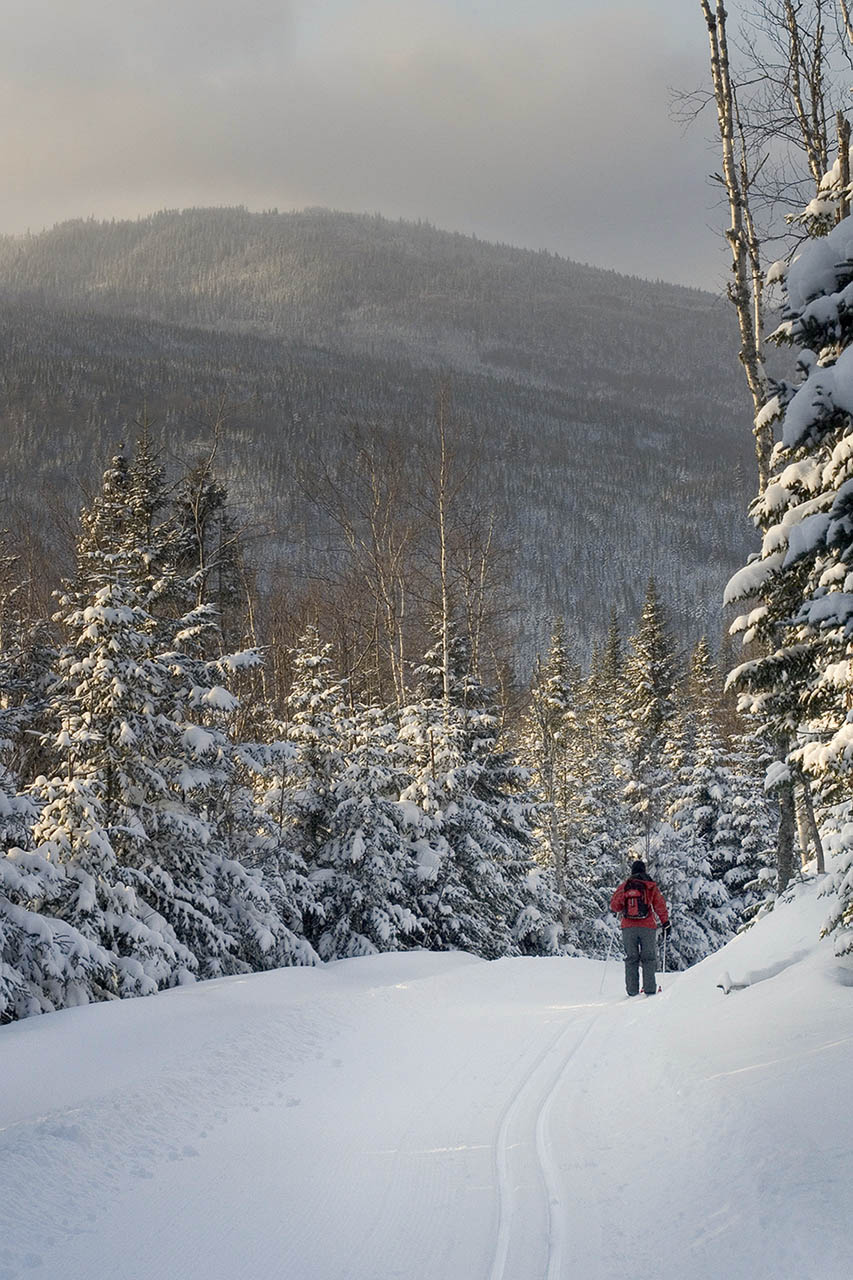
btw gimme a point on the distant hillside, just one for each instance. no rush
(615, 420)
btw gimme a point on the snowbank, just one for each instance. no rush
(437, 1117)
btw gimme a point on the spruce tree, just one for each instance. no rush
(751, 878)
(488, 896)
(210, 848)
(603, 819)
(140, 811)
(319, 733)
(89, 812)
(218, 885)
(45, 963)
(261, 838)
(701, 802)
(368, 864)
(94, 814)
(550, 725)
(797, 588)
(650, 676)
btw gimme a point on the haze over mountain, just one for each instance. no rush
(606, 413)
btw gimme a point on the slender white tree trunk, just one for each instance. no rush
(746, 289)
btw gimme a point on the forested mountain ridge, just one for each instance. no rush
(607, 411)
(393, 288)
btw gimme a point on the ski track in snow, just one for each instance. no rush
(435, 1117)
(509, 1200)
(550, 1171)
(108, 1161)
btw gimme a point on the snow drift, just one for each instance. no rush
(437, 1117)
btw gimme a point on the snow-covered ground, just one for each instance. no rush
(435, 1117)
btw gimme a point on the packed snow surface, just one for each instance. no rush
(435, 1117)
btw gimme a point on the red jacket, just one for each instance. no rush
(654, 897)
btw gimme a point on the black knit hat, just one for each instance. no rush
(638, 868)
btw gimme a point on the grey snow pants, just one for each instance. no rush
(640, 943)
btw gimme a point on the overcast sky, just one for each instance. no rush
(544, 123)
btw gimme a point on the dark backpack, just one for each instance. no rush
(636, 903)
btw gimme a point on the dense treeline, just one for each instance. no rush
(796, 621)
(797, 592)
(201, 778)
(642, 757)
(307, 325)
(370, 285)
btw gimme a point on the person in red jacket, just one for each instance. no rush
(639, 901)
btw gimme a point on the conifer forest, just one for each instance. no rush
(426, 640)
(344, 609)
(203, 776)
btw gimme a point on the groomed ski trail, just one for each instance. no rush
(430, 1099)
(431, 1116)
(542, 1082)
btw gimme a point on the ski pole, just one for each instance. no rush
(663, 970)
(606, 962)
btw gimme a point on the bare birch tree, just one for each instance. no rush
(369, 501)
(746, 289)
(463, 569)
(846, 22)
(777, 118)
(789, 85)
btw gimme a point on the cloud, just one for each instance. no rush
(540, 127)
(57, 44)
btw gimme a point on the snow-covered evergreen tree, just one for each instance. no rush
(650, 677)
(89, 813)
(108, 741)
(549, 728)
(260, 834)
(751, 877)
(701, 809)
(798, 587)
(368, 877)
(44, 963)
(603, 819)
(243, 927)
(137, 811)
(488, 896)
(206, 549)
(320, 733)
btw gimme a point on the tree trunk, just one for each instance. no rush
(843, 126)
(745, 291)
(785, 842)
(803, 832)
(811, 823)
(558, 853)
